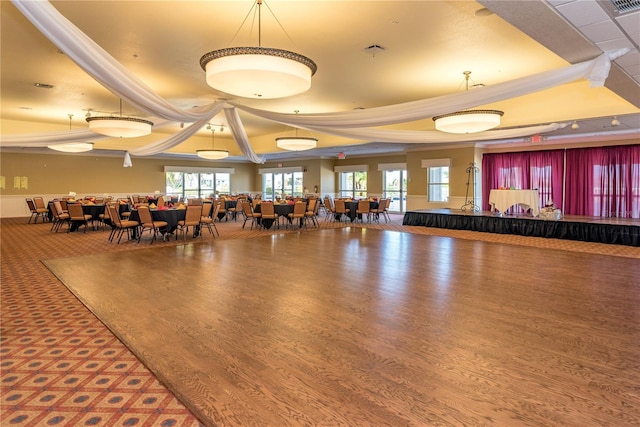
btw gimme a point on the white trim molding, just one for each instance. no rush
(197, 169)
(435, 163)
(290, 169)
(392, 166)
(351, 168)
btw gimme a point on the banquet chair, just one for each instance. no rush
(312, 211)
(35, 212)
(41, 208)
(58, 217)
(340, 209)
(222, 208)
(191, 219)
(299, 213)
(249, 214)
(206, 220)
(329, 210)
(120, 225)
(160, 202)
(364, 207)
(147, 223)
(104, 216)
(385, 210)
(267, 211)
(77, 215)
(238, 210)
(375, 212)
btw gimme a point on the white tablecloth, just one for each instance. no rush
(501, 200)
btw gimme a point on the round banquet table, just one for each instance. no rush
(353, 207)
(170, 216)
(280, 209)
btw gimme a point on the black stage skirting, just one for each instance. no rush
(598, 231)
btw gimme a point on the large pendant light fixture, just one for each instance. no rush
(296, 143)
(212, 154)
(258, 72)
(72, 147)
(119, 126)
(468, 121)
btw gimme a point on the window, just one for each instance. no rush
(196, 184)
(353, 184)
(281, 183)
(438, 183)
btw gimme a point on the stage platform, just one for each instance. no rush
(620, 231)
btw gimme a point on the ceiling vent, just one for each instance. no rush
(626, 6)
(374, 49)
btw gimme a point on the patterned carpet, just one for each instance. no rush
(59, 365)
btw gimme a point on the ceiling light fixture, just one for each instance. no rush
(575, 125)
(258, 72)
(72, 147)
(296, 143)
(212, 154)
(468, 121)
(119, 126)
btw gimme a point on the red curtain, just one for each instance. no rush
(543, 170)
(603, 181)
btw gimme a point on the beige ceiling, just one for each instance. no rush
(427, 45)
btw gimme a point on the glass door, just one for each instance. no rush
(395, 189)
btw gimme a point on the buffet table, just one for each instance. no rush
(501, 200)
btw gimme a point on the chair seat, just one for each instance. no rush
(160, 224)
(129, 223)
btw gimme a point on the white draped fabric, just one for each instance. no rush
(594, 70)
(358, 124)
(422, 137)
(50, 138)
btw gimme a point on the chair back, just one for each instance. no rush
(327, 204)
(206, 209)
(57, 204)
(160, 202)
(363, 205)
(215, 212)
(267, 210)
(299, 209)
(39, 202)
(145, 215)
(246, 208)
(195, 202)
(193, 214)
(311, 206)
(75, 211)
(114, 214)
(340, 206)
(31, 205)
(54, 211)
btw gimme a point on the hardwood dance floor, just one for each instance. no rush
(363, 327)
